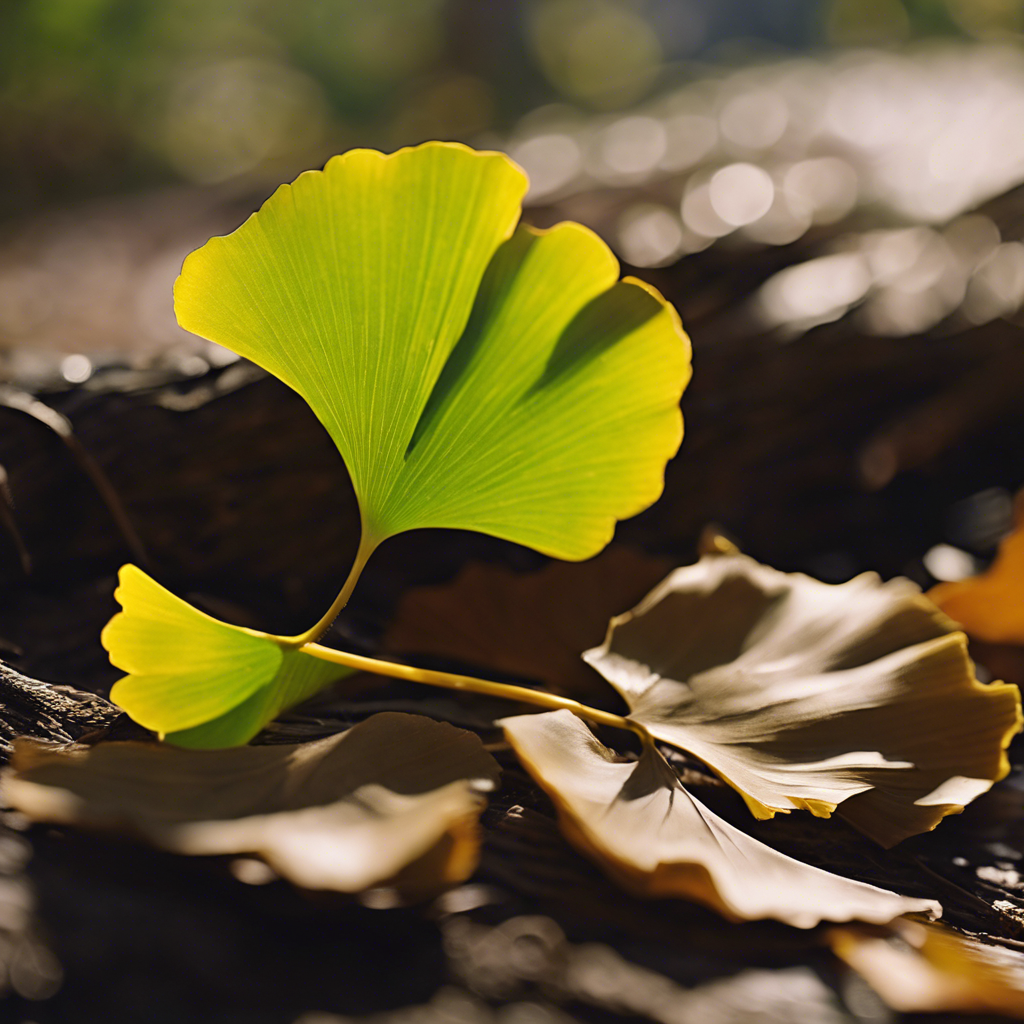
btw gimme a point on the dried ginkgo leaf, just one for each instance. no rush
(990, 606)
(654, 838)
(805, 695)
(393, 800)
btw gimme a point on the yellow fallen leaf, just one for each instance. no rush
(932, 969)
(990, 606)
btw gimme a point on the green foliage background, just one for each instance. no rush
(104, 95)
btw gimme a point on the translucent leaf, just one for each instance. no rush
(647, 832)
(393, 800)
(195, 680)
(990, 606)
(470, 376)
(805, 695)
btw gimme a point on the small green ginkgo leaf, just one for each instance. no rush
(196, 681)
(473, 375)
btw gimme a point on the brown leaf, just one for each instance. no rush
(531, 625)
(394, 799)
(647, 832)
(805, 695)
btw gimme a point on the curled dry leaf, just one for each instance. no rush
(932, 969)
(806, 695)
(647, 832)
(393, 800)
(531, 625)
(991, 606)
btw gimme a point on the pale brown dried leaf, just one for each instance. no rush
(805, 695)
(395, 800)
(647, 832)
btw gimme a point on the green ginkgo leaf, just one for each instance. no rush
(196, 681)
(472, 375)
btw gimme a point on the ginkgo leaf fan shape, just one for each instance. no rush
(328, 814)
(198, 681)
(859, 696)
(651, 835)
(472, 375)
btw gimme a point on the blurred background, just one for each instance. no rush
(714, 121)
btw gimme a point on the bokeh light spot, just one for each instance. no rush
(552, 161)
(598, 51)
(649, 235)
(741, 193)
(755, 120)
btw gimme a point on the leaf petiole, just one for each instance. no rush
(470, 684)
(367, 545)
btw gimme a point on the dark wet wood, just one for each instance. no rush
(62, 714)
